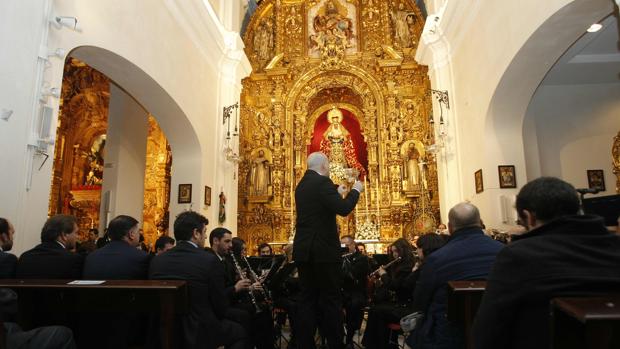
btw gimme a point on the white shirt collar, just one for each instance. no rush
(61, 244)
(191, 242)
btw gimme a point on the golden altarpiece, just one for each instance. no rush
(79, 157)
(337, 76)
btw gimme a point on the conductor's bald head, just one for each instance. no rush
(463, 216)
(319, 163)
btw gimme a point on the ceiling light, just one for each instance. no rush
(595, 27)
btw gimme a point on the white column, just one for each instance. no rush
(434, 51)
(125, 157)
(233, 66)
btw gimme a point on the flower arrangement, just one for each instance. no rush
(367, 231)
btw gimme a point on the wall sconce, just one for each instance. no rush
(444, 99)
(227, 115)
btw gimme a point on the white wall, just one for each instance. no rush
(125, 157)
(490, 56)
(171, 56)
(574, 126)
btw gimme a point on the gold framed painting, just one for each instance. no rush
(596, 179)
(185, 194)
(207, 195)
(507, 177)
(478, 181)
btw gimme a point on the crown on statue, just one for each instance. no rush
(334, 113)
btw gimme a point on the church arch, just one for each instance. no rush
(182, 137)
(504, 123)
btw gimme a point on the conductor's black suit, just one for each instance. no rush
(316, 251)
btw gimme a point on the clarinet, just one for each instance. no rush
(244, 276)
(264, 291)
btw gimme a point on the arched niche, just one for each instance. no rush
(184, 141)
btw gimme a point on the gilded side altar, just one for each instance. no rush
(337, 75)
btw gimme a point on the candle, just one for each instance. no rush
(366, 198)
(378, 202)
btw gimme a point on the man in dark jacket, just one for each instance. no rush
(316, 251)
(356, 268)
(468, 255)
(51, 259)
(119, 259)
(7, 261)
(562, 254)
(204, 326)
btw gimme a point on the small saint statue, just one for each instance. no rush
(412, 167)
(260, 176)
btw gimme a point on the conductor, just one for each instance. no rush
(316, 251)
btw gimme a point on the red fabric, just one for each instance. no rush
(349, 121)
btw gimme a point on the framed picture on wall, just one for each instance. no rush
(596, 179)
(185, 194)
(478, 181)
(207, 196)
(507, 177)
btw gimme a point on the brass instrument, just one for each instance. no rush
(376, 272)
(254, 279)
(243, 275)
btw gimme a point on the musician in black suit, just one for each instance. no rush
(7, 261)
(51, 259)
(118, 260)
(204, 326)
(356, 268)
(317, 251)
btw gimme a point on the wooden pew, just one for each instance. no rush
(586, 322)
(169, 298)
(464, 298)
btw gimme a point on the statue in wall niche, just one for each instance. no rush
(260, 175)
(412, 167)
(339, 148)
(263, 40)
(402, 21)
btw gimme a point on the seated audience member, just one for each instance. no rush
(392, 296)
(51, 259)
(468, 255)
(562, 254)
(119, 259)
(48, 337)
(264, 250)
(163, 244)
(102, 241)
(7, 261)
(89, 245)
(426, 244)
(204, 326)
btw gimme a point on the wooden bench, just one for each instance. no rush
(464, 298)
(168, 298)
(586, 322)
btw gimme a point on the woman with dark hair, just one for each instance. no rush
(392, 298)
(426, 244)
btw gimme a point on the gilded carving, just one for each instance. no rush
(156, 184)
(282, 111)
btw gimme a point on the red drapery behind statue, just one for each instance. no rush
(350, 123)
